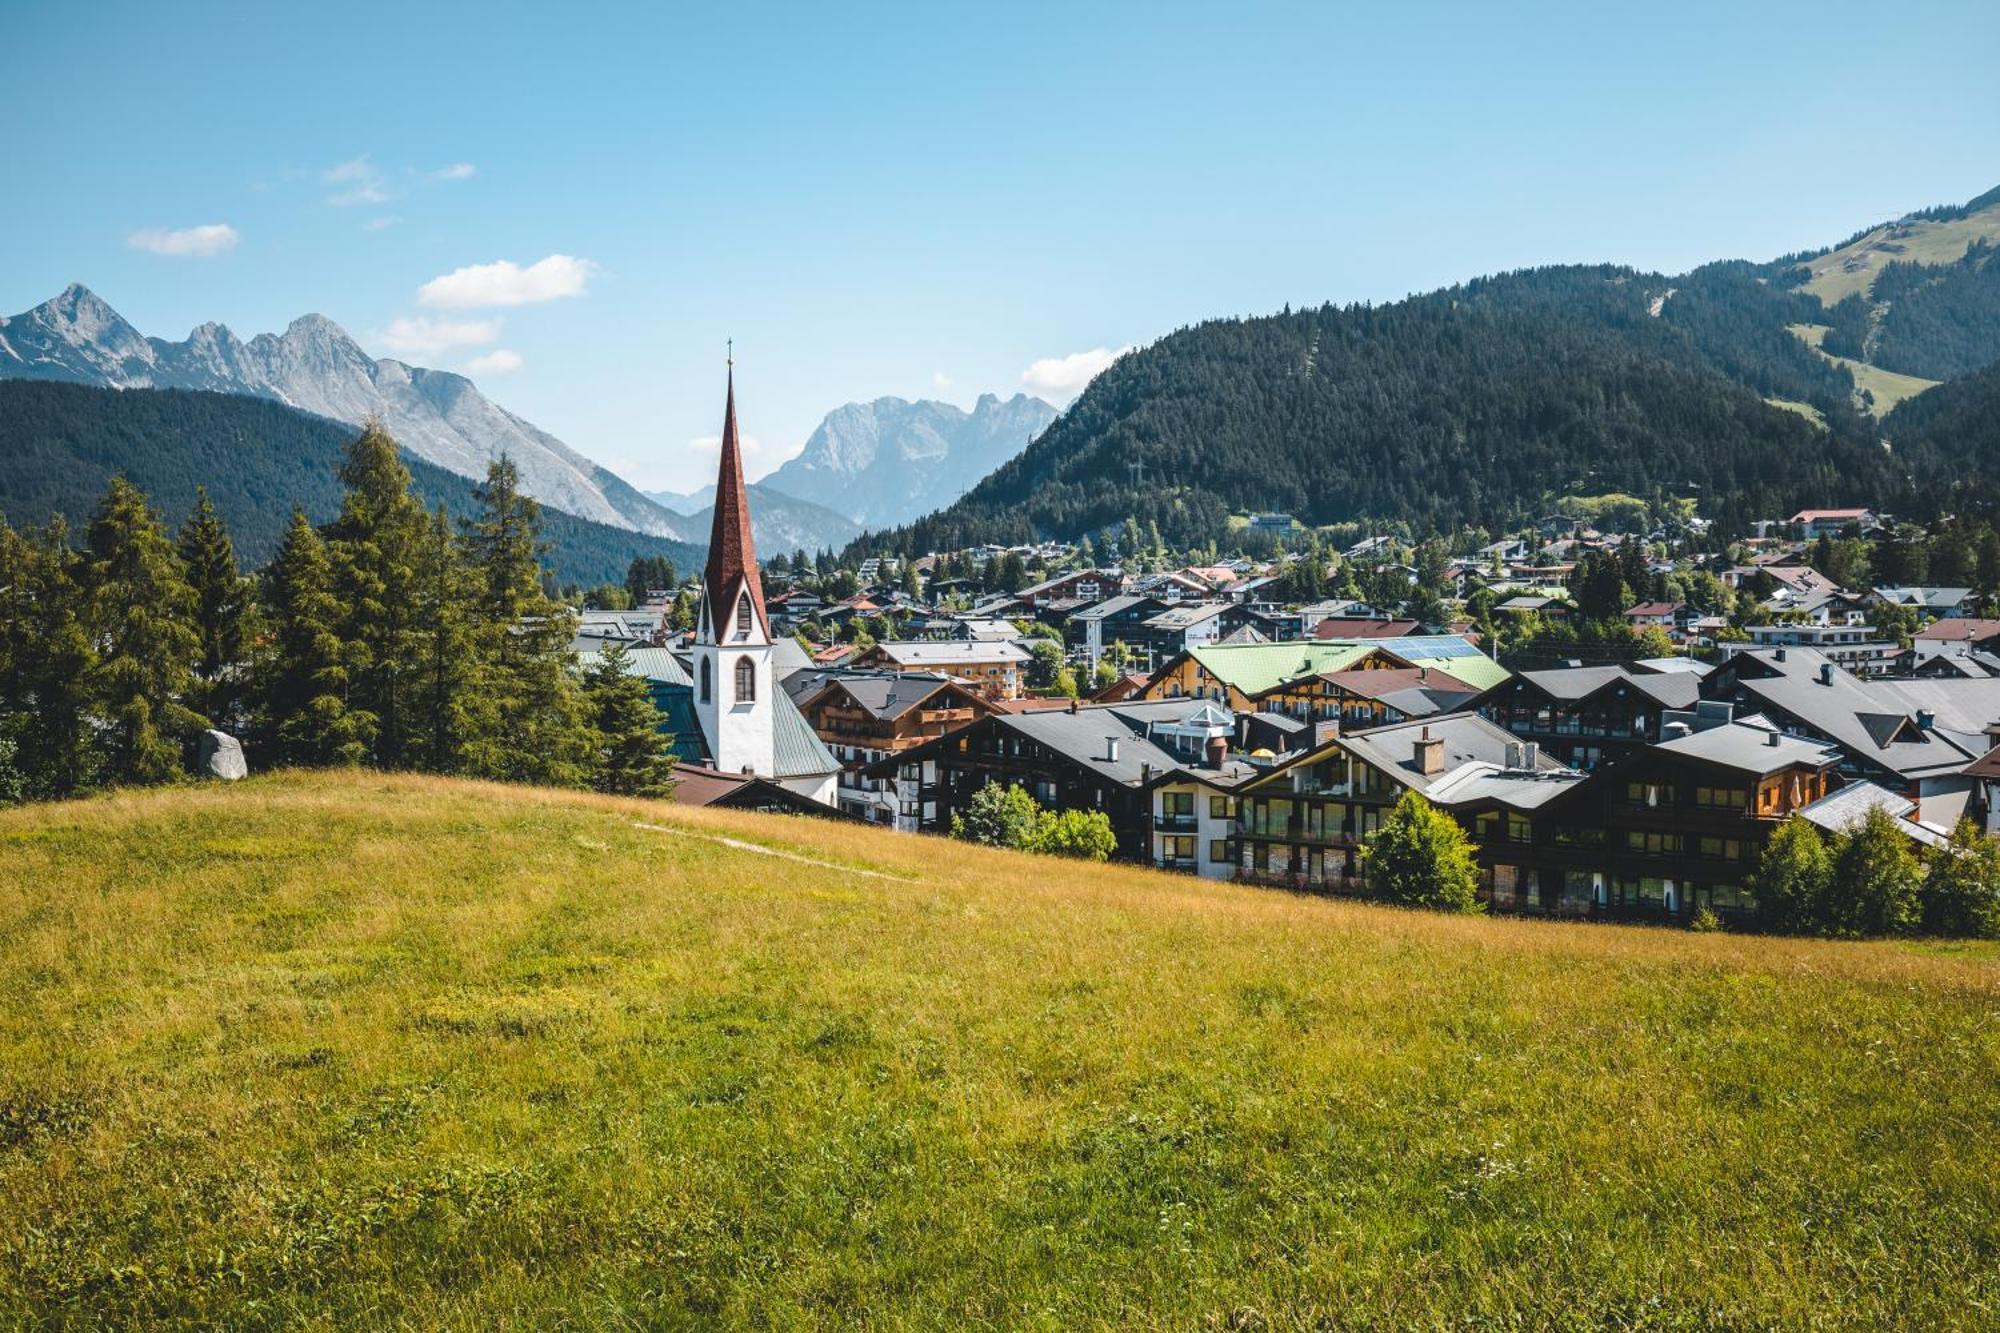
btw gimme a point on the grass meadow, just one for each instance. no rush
(353, 1051)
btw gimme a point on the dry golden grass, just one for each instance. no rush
(346, 1050)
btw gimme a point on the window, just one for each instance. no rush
(1177, 849)
(1219, 808)
(743, 616)
(707, 691)
(1720, 798)
(1727, 849)
(746, 680)
(1220, 852)
(1177, 804)
(1656, 843)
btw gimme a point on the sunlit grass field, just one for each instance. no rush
(352, 1051)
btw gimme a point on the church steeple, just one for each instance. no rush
(732, 556)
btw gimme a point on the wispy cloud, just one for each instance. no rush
(457, 171)
(506, 283)
(1062, 378)
(381, 223)
(187, 243)
(357, 181)
(940, 380)
(419, 335)
(499, 361)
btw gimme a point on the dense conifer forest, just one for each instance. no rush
(60, 445)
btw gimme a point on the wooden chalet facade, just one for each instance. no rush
(865, 718)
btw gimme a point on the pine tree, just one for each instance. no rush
(634, 757)
(302, 676)
(446, 670)
(1420, 856)
(221, 613)
(58, 753)
(142, 616)
(374, 546)
(683, 613)
(533, 725)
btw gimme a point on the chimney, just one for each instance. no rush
(1073, 704)
(1772, 739)
(1429, 755)
(1514, 753)
(1218, 751)
(1531, 754)
(1777, 654)
(1926, 719)
(1110, 749)
(1673, 731)
(1826, 673)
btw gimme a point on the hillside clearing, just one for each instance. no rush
(1852, 268)
(353, 1050)
(1886, 387)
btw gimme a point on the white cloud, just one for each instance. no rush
(457, 171)
(416, 335)
(1062, 378)
(196, 242)
(940, 380)
(381, 223)
(499, 361)
(507, 283)
(360, 180)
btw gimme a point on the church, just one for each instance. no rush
(724, 701)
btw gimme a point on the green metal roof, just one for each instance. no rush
(799, 750)
(1258, 668)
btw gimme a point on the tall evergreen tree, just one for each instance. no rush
(375, 546)
(535, 726)
(221, 611)
(142, 616)
(634, 757)
(445, 673)
(303, 681)
(58, 751)
(1876, 881)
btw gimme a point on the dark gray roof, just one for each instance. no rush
(1748, 748)
(1080, 737)
(1468, 739)
(887, 696)
(1841, 810)
(1670, 690)
(1876, 719)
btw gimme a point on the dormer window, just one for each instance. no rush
(743, 616)
(746, 679)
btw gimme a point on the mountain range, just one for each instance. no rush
(61, 443)
(778, 522)
(893, 460)
(315, 366)
(1755, 387)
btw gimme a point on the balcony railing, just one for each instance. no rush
(1174, 823)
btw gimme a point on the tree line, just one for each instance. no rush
(391, 637)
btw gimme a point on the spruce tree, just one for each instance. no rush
(142, 617)
(534, 725)
(58, 750)
(1876, 881)
(634, 757)
(375, 546)
(445, 673)
(1961, 894)
(221, 612)
(302, 679)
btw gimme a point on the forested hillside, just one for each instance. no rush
(60, 444)
(1472, 405)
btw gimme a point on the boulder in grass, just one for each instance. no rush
(222, 756)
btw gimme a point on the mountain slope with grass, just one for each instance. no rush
(347, 1049)
(60, 444)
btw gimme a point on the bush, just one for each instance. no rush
(1704, 922)
(1083, 834)
(1007, 816)
(1961, 895)
(1421, 857)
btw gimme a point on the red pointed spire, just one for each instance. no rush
(732, 556)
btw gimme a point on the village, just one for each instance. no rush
(1226, 728)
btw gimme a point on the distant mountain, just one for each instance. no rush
(61, 443)
(1755, 387)
(778, 522)
(313, 365)
(893, 460)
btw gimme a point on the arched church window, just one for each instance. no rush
(706, 691)
(743, 616)
(746, 679)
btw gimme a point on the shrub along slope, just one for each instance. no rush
(362, 1049)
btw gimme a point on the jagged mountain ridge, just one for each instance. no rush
(892, 460)
(315, 366)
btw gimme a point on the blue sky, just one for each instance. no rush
(924, 200)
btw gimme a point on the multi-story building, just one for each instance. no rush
(1587, 716)
(994, 669)
(864, 717)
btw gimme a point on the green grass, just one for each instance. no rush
(349, 1051)
(1852, 268)
(1887, 387)
(1806, 410)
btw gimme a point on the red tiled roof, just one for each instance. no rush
(1654, 609)
(1958, 631)
(1354, 627)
